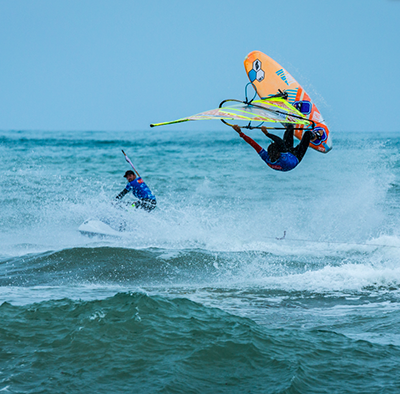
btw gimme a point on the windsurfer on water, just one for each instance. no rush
(140, 190)
(280, 154)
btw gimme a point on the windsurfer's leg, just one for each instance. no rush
(146, 204)
(301, 149)
(288, 136)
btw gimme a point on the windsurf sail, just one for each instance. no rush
(272, 110)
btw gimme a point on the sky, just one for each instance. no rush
(121, 65)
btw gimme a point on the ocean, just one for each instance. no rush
(202, 295)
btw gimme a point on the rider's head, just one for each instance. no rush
(130, 176)
(273, 152)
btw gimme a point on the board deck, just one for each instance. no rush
(93, 227)
(268, 77)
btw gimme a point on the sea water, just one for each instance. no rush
(201, 295)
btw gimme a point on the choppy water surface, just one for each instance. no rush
(199, 295)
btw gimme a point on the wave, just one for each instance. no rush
(285, 267)
(135, 342)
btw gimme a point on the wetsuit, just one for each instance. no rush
(141, 191)
(290, 156)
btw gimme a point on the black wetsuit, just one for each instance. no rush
(286, 144)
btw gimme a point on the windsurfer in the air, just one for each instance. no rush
(280, 154)
(140, 190)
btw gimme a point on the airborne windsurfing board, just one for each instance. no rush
(268, 78)
(92, 227)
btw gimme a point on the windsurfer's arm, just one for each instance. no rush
(279, 141)
(251, 142)
(122, 194)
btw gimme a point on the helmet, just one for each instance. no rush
(129, 172)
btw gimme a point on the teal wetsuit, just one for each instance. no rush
(140, 190)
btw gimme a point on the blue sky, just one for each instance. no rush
(121, 65)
